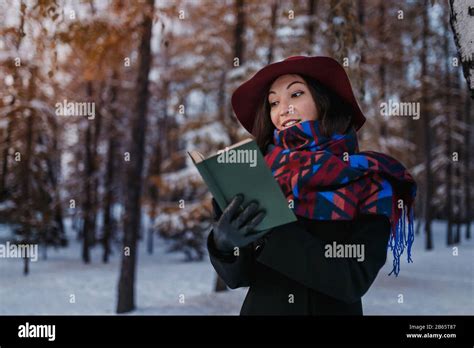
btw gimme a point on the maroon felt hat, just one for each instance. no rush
(325, 70)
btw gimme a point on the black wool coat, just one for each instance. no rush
(288, 273)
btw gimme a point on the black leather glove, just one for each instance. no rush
(234, 228)
(216, 210)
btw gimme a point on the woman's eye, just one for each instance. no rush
(297, 94)
(273, 104)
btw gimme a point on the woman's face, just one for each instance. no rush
(291, 102)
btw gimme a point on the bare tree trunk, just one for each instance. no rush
(382, 68)
(460, 14)
(362, 48)
(163, 130)
(420, 206)
(221, 104)
(91, 178)
(232, 124)
(89, 171)
(149, 241)
(26, 170)
(467, 164)
(95, 178)
(109, 199)
(53, 170)
(458, 112)
(109, 176)
(53, 165)
(312, 6)
(449, 147)
(164, 125)
(458, 203)
(3, 176)
(361, 18)
(426, 126)
(126, 287)
(154, 171)
(239, 31)
(273, 24)
(26, 185)
(58, 210)
(26, 265)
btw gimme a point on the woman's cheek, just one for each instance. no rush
(274, 121)
(309, 111)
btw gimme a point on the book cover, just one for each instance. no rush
(241, 168)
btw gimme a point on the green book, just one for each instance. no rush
(241, 168)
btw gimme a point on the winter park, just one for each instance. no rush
(104, 210)
(438, 282)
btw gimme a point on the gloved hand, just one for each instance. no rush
(216, 210)
(235, 229)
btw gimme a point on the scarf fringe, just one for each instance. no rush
(399, 238)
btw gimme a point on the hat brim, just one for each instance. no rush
(247, 97)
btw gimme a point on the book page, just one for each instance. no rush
(196, 156)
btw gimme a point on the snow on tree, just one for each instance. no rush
(462, 23)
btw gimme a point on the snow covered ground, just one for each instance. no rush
(436, 283)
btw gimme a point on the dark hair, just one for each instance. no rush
(335, 115)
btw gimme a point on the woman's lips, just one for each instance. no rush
(290, 122)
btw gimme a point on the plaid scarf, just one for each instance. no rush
(327, 178)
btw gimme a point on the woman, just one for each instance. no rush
(350, 205)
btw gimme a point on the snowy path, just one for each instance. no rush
(436, 283)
